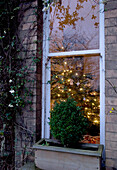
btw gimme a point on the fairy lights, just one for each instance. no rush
(96, 121)
(73, 82)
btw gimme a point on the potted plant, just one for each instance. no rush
(68, 125)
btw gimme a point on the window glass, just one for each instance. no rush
(74, 25)
(78, 77)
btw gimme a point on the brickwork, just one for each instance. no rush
(25, 133)
(111, 80)
(29, 33)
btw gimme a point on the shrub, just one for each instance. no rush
(67, 122)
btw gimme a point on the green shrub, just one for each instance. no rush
(67, 122)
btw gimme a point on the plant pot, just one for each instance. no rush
(53, 157)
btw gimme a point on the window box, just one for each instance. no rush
(50, 155)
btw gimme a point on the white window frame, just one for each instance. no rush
(46, 72)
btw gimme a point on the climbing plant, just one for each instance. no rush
(15, 91)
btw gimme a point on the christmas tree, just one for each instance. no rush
(71, 78)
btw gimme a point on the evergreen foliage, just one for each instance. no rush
(68, 123)
(68, 79)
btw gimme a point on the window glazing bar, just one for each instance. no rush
(77, 53)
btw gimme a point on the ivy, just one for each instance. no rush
(15, 92)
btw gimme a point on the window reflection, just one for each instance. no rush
(74, 25)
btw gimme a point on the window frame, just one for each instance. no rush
(46, 72)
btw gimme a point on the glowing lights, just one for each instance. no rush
(96, 121)
(72, 80)
(68, 80)
(89, 113)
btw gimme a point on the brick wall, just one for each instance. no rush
(29, 122)
(31, 119)
(111, 80)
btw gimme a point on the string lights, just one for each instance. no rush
(71, 81)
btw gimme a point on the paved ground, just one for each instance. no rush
(29, 166)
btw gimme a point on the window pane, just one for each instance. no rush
(78, 77)
(74, 25)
